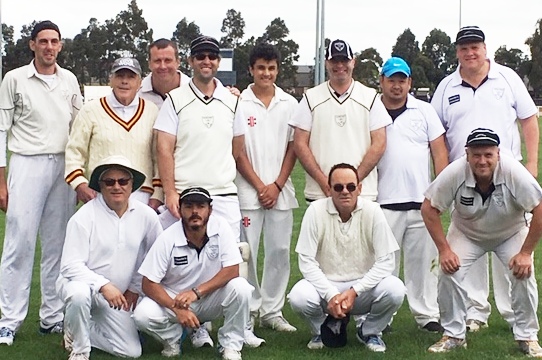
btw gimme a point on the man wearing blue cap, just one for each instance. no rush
(482, 93)
(403, 176)
(493, 197)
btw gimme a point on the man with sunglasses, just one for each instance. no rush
(106, 242)
(346, 253)
(339, 121)
(403, 175)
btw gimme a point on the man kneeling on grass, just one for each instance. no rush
(346, 254)
(190, 276)
(496, 208)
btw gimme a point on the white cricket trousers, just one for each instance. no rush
(452, 296)
(268, 298)
(419, 251)
(378, 303)
(39, 201)
(230, 301)
(90, 322)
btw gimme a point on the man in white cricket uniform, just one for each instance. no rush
(198, 138)
(403, 175)
(106, 242)
(191, 275)
(38, 103)
(266, 193)
(335, 122)
(120, 123)
(165, 75)
(482, 93)
(492, 195)
(346, 253)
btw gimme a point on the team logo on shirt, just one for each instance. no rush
(212, 251)
(208, 120)
(453, 99)
(340, 120)
(498, 92)
(251, 121)
(180, 260)
(416, 124)
(498, 199)
(467, 201)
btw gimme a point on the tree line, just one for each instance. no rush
(90, 53)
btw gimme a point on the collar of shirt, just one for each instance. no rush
(101, 201)
(470, 181)
(212, 230)
(125, 112)
(220, 92)
(32, 70)
(340, 97)
(332, 210)
(493, 73)
(248, 95)
(146, 84)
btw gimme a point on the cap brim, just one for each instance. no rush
(94, 183)
(196, 198)
(132, 69)
(393, 72)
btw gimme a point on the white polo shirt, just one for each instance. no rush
(179, 267)
(266, 140)
(340, 129)
(147, 92)
(404, 169)
(495, 105)
(502, 214)
(100, 247)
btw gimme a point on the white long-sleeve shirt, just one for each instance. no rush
(100, 247)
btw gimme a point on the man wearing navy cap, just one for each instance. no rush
(38, 103)
(335, 123)
(493, 197)
(482, 93)
(403, 176)
(191, 275)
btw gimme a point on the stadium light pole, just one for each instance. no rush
(322, 42)
(317, 51)
(1, 40)
(460, 14)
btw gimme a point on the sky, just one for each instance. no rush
(361, 23)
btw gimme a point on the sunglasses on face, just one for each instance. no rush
(112, 182)
(339, 187)
(201, 57)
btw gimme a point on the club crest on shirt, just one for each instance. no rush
(498, 92)
(454, 99)
(466, 200)
(212, 251)
(416, 124)
(208, 120)
(340, 120)
(498, 199)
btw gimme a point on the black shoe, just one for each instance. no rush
(387, 330)
(433, 327)
(56, 328)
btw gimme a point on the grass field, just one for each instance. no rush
(404, 342)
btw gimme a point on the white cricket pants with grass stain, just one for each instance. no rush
(452, 295)
(90, 322)
(268, 297)
(229, 302)
(40, 202)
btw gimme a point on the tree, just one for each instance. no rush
(535, 73)
(233, 26)
(17, 54)
(406, 47)
(241, 55)
(7, 51)
(514, 59)
(440, 51)
(184, 33)
(366, 70)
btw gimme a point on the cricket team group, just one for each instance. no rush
(180, 177)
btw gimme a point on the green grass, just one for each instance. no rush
(404, 342)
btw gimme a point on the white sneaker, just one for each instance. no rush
(6, 336)
(531, 348)
(252, 340)
(171, 349)
(200, 337)
(475, 325)
(316, 343)
(79, 356)
(277, 323)
(229, 354)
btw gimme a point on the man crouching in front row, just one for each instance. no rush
(190, 276)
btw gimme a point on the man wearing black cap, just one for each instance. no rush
(493, 197)
(120, 123)
(335, 123)
(106, 241)
(482, 93)
(191, 275)
(38, 103)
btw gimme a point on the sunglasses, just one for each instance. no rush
(340, 187)
(201, 57)
(112, 182)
